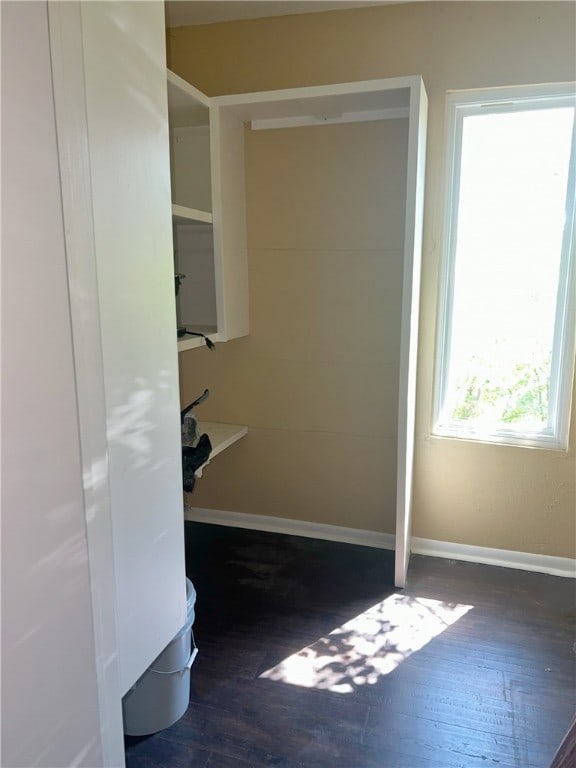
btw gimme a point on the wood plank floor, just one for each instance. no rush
(486, 677)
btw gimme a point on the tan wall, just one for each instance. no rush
(320, 453)
(317, 378)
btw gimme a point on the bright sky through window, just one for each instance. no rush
(505, 313)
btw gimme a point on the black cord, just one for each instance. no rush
(209, 342)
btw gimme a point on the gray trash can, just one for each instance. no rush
(161, 696)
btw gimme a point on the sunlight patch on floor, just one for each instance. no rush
(369, 646)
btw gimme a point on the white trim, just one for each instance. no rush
(290, 527)
(565, 325)
(346, 117)
(193, 94)
(184, 91)
(315, 91)
(412, 265)
(554, 436)
(503, 558)
(182, 214)
(363, 98)
(513, 95)
(67, 58)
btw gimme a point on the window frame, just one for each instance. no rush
(461, 104)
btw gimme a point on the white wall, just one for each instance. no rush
(49, 682)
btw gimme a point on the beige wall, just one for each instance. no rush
(320, 452)
(317, 379)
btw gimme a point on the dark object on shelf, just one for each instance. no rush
(181, 330)
(193, 457)
(199, 400)
(195, 451)
(178, 277)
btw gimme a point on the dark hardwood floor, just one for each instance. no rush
(486, 676)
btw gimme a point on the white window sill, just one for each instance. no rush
(541, 441)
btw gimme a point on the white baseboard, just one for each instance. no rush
(504, 558)
(291, 527)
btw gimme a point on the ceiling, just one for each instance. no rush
(181, 13)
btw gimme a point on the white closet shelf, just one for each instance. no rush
(193, 342)
(186, 104)
(184, 215)
(221, 436)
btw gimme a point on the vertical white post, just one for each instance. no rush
(409, 331)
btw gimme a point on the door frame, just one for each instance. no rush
(67, 55)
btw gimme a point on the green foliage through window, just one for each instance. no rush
(520, 396)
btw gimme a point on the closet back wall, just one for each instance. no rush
(471, 493)
(317, 378)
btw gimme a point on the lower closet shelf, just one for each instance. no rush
(221, 436)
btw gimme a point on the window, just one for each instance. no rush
(505, 358)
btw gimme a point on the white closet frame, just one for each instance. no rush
(320, 105)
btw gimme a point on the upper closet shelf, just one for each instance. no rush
(186, 105)
(181, 214)
(193, 342)
(366, 100)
